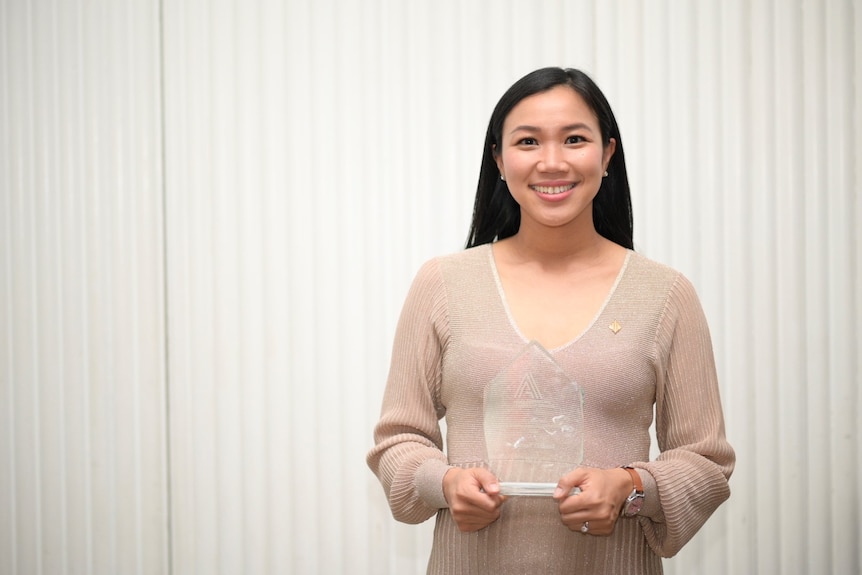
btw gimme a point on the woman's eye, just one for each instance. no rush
(527, 142)
(574, 140)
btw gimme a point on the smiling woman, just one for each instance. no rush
(550, 265)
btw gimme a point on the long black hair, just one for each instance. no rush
(496, 215)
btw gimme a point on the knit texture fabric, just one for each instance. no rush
(454, 336)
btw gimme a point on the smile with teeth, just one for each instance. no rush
(552, 190)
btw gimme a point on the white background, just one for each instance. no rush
(210, 212)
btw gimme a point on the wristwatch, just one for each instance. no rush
(635, 501)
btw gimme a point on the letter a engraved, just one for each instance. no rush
(528, 389)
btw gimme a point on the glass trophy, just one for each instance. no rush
(534, 415)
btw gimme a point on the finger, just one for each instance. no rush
(595, 525)
(596, 528)
(569, 482)
(487, 481)
(472, 515)
(471, 499)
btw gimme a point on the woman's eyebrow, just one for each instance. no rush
(569, 128)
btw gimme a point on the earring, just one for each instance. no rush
(606, 173)
(502, 177)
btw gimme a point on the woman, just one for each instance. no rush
(550, 260)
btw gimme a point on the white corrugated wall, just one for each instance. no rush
(210, 212)
(83, 476)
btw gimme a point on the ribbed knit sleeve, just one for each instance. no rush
(408, 456)
(696, 461)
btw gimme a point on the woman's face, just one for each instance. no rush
(552, 158)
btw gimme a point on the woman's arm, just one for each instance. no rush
(408, 456)
(691, 474)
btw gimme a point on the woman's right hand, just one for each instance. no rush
(474, 497)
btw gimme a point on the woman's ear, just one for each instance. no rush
(608, 153)
(499, 160)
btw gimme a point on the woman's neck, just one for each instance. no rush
(559, 245)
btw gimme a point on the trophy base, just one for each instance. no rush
(531, 489)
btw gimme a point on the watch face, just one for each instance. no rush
(634, 504)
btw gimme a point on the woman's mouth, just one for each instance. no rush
(552, 190)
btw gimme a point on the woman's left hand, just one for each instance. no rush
(598, 505)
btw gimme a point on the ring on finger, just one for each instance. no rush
(585, 527)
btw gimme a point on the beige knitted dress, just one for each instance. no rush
(455, 334)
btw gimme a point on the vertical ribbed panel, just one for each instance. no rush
(319, 152)
(315, 154)
(82, 426)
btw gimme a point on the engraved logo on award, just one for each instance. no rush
(533, 423)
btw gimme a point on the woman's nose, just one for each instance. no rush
(551, 160)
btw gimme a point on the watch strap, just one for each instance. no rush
(635, 500)
(637, 484)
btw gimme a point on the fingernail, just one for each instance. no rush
(558, 491)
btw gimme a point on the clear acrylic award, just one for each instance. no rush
(533, 424)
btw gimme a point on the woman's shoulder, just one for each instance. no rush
(661, 280)
(652, 270)
(461, 262)
(461, 275)
(454, 266)
(465, 256)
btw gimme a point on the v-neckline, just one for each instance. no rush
(501, 293)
